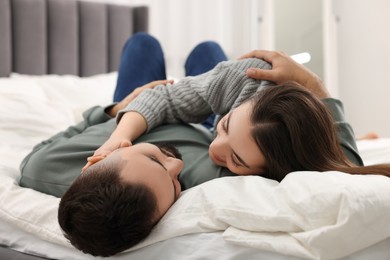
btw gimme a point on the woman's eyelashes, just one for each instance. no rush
(235, 163)
(224, 124)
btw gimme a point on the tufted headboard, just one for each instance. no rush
(65, 36)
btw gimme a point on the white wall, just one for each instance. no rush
(363, 60)
(180, 25)
(298, 28)
(238, 26)
(355, 59)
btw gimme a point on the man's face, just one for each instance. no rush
(157, 167)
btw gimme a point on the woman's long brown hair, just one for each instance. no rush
(296, 132)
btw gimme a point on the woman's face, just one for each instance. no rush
(234, 147)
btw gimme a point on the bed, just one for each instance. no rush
(309, 215)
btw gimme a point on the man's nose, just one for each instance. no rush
(174, 166)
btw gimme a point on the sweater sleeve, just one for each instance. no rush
(193, 99)
(345, 131)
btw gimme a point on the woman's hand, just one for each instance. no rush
(130, 127)
(114, 110)
(284, 69)
(106, 149)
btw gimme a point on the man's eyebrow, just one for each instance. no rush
(234, 153)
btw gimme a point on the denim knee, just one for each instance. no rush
(203, 58)
(208, 46)
(142, 40)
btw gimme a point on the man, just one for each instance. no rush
(120, 196)
(105, 211)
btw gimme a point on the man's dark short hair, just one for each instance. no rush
(102, 215)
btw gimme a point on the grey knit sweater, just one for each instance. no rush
(193, 99)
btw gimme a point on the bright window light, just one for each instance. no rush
(301, 58)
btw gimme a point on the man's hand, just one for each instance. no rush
(284, 69)
(114, 110)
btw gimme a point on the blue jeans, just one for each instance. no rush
(142, 61)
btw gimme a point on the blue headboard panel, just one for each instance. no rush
(65, 36)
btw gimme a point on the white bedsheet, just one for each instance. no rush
(309, 214)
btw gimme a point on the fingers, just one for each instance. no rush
(252, 54)
(166, 81)
(92, 160)
(261, 74)
(269, 56)
(150, 85)
(260, 54)
(102, 153)
(158, 82)
(96, 158)
(86, 166)
(368, 136)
